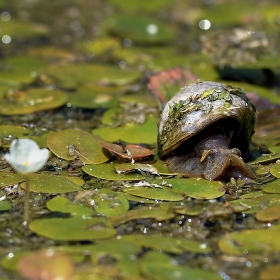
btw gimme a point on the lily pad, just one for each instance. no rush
(92, 97)
(33, 100)
(20, 69)
(162, 193)
(196, 188)
(111, 115)
(10, 179)
(10, 261)
(72, 229)
(131, 133)
(135, 5)
(251, 241)
(269, 214)
(5, 205)
(266, 158)
(156, 213)
(71, 75)
(10, 132)
(167, 244)
(41, 140)
(141, 29)
(44, 183)
(85, 146)
(163, 271)
(272, 187)
(107, 171)
(64, 205)
(104, 47)
(184, 208)
(251, 204)
(275, 170)
(139, 98)
(109, 203)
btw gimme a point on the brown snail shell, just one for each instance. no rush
(204, 129)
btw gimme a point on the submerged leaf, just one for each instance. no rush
(46, 265)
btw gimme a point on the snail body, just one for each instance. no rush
(205, 129)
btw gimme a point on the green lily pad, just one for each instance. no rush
(167, 244)
(85, 145)
(10, 132)
(215, 15)
(196, 188)
(154, 193)
(10, 261)
(266, 158)
(110, 115)
(272, 187)
(41, 140)
(109, 203)
(275, 170)
(64, 205)
(5, 205)
(10, 179)
(184, 208)
(72, 229)
(92, 97)
(251, 204)
(141, 29)
(156, 213)
(131, 133)
(33, 100)
(139, 98)
(161, 271)
(20, 69)
(134, 198)
(134, 5)
(251, 241)
(71, 75)
(159, 267)
(161, 167)
(104, 47)
(107, 171)
(269, 214)
(44, 183)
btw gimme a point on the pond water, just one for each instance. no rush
(87, 80)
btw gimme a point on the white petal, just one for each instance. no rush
(26, 157)
(20, 149)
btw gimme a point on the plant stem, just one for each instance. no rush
(26, 200)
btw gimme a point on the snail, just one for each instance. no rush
(205, 129)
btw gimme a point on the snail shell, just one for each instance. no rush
(207, 109)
